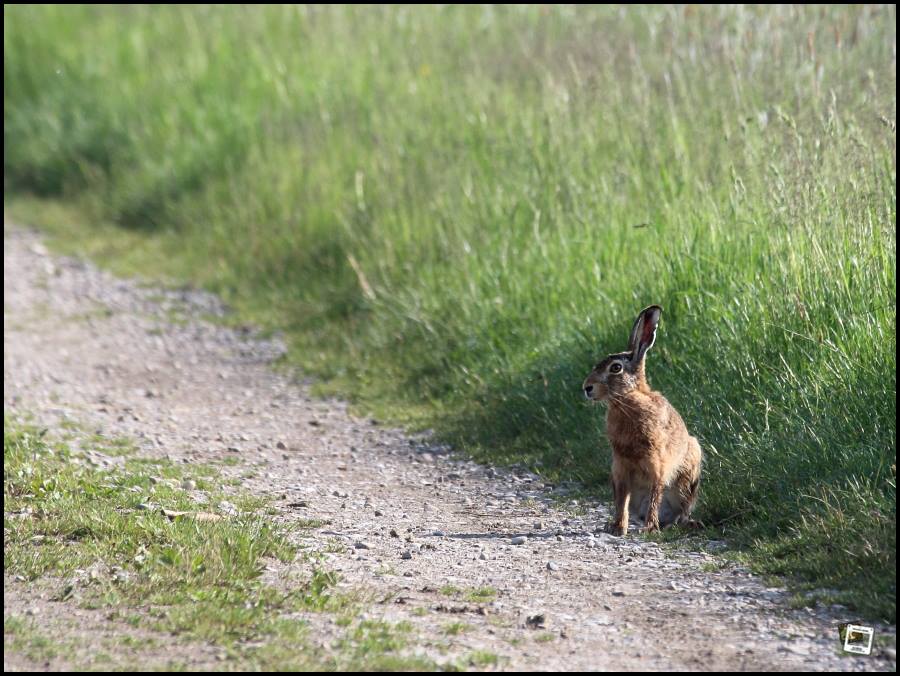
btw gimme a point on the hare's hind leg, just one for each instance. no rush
(690, 486)
(685, 518)
(676, 505)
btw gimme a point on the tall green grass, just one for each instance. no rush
(454, 211)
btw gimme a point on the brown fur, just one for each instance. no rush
(656, 463)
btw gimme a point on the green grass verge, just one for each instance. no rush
(452, 211)
(80, 528)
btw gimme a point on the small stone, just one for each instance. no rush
(406, 555)
(536, 621)
(482, 556)
(362, 545)
(538, 525)
(228, 508)
(552, 565)
(145, 506)
(378, 512)
(518, 540)
(797, 649)
(618, 592)
(280, 446)
(189, 484)
(394, 533)
(438, 533)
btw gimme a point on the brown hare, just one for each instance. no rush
(655, 462)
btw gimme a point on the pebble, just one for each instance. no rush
(406, 555)
(189, 484)
(518, 540)
(538, 621)
(362, 545)
(552, 565)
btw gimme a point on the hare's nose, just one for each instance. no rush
(588, 390)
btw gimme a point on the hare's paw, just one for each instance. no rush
(650, 528)
(614, 528)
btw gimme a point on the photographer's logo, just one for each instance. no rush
(856, 638)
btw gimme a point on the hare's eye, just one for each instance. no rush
(615, 368)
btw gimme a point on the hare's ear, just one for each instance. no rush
(643, 333)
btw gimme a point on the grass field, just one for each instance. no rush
(453, 211)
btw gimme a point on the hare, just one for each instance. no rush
(655, 462)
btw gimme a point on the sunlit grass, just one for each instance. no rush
(454, 210)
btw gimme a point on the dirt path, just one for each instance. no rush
(137, 362)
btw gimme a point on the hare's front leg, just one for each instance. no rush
(622, 494)
(656, 491)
